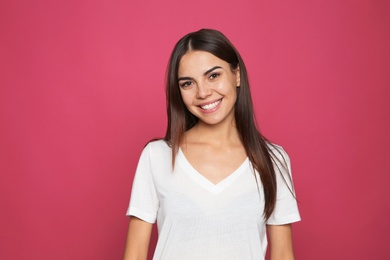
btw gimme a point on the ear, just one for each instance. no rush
(238, 76)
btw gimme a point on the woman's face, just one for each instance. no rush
(208, 87)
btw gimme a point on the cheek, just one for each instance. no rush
(186, 97)
(226, 88)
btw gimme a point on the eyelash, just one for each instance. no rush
(185, 84)
(188, 83)
(214, 75)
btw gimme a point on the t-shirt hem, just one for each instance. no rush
(141, 215)
(286, 220)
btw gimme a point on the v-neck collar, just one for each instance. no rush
(206, 183)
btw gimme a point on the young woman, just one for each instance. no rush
(214, 184)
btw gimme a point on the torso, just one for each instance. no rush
(198, 219)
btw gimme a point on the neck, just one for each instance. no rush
(216, 135)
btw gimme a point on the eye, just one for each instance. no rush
(185, 84)
(214, 75)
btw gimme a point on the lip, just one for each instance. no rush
(208, 103)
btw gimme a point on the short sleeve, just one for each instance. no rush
(144, 199)
(286, 208)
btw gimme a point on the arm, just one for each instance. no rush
(280, 242)
(138, 238)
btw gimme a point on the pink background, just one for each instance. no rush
(82, 91)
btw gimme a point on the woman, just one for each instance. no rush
(214, 184)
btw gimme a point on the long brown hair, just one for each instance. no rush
(180, 119)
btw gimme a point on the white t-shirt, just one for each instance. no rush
(199, 220)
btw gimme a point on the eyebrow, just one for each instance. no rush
(204, 74)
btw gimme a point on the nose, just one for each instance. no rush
(203, 90)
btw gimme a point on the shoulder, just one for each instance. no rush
(159, 144)
(158, 150)
(281, 160)
(278, 153)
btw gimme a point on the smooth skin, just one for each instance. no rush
(208, 86)
(138, 238)
(280, 239)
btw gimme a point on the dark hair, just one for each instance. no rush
(180, 119)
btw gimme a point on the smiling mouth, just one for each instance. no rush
(211, 106)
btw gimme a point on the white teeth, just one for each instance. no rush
(211, 106)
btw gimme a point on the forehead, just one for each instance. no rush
(197, 62)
